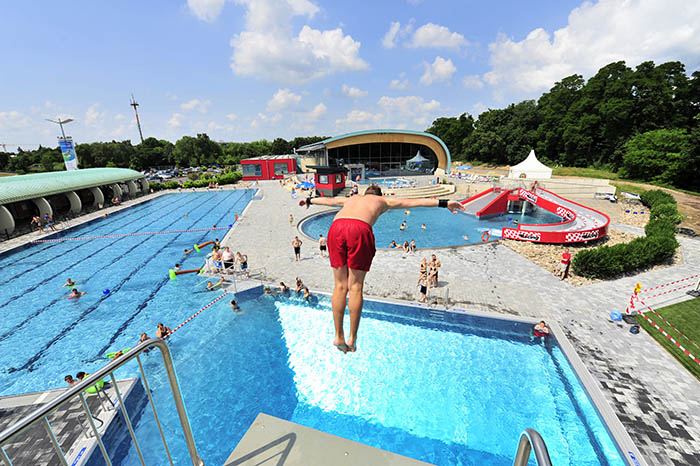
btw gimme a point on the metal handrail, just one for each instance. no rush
(40, 414)
(530, 439)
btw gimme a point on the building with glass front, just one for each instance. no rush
(382, 152)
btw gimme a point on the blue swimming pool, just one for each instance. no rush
(452, 391)
(44, 336)
(442, 228)
(456, 391)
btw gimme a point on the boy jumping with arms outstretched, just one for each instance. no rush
(351, 249)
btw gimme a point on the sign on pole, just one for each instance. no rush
(68, 151)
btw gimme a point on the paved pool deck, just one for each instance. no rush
(654, 397)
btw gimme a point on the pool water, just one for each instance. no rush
(44, 336)
(455, 391)
(452, 392)
(442, 228)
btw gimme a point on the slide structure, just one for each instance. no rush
(579, 223)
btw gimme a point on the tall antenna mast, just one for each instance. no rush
(136, 111)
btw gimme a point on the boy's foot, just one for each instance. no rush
(340, 344)
(352, 345)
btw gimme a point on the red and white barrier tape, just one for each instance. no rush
(663, 332)
(669, 324)
(196, 314)
(669, 283)
(76, 238)
(668, 291)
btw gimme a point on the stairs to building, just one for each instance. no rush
(439, 190)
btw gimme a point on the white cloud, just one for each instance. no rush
(261, 118)
(317, 112)
(231, 116)
(14, 120)
(175, 120)
(389, 40)
(359, 118)
(268, 47)
(119, 117)
(398, 84)
(598, 34)
(201, 105)
(93, 116)
(436, 36)
(473, 81)
(411, 105)
(353, 92)
(206, 10)
(477, 109)
(439, 71)
(282, 99)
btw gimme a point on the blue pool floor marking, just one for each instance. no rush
(40, 282)
(29, 364)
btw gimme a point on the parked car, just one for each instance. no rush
(687, 232)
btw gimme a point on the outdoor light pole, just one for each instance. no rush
(61, 123)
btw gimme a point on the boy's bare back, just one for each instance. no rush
(367, 208)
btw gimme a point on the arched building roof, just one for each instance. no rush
(388, 135)
(22, 187)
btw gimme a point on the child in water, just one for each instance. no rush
(76, 294)
(69, 282)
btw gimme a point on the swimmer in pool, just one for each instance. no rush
(76, 294)
(466, 237)
(234, 306)
(70, 380)
(422, 226)
(284, 289)
(69, 282)
(403, 226)
(212, 286)
(540, 330)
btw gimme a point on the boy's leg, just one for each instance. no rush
(340, 293)
(356, 281)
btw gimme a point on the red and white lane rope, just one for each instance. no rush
(121, 235)
(663, 332)
(196, 314)
(668, 284)
(669, 324)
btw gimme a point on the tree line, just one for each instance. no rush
(641, 123)
(187, 151)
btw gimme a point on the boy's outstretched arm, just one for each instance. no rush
(401, 203)
(329, 201)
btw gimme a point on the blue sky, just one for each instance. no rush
(249, 69)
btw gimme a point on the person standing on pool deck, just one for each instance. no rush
(351, 249)
(296, 244)
(322, 245)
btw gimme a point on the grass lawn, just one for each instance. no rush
(685, 317)
(585, 172)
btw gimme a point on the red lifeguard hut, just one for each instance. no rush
(329, 180)
(268, 167)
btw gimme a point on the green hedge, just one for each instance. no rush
(657, 246)
(222, 179)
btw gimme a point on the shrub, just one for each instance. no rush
(656, 196)
(658, 245)
(665, 212)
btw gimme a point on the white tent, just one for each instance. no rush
(416, 161)
(530, 168)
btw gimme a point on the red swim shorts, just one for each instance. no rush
(351, 243)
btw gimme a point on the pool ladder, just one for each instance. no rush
(530, 440)
(40, 415)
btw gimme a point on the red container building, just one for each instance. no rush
(329, 180)
(268, 167)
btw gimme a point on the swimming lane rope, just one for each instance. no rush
(196, 314)
(121, 235)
